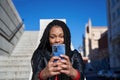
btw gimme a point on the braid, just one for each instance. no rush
(67, 40)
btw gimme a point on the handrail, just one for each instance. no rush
(7, 37)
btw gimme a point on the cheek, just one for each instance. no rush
(51, 41)
(62, 41)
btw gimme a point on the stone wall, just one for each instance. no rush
(11, 26)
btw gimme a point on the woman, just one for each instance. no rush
(43, 62)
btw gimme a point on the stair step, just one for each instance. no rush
(14, 56)
(17, 65)
(15, 68)
(14, 62)
(24, 49)
(22, 54)
(13, 75)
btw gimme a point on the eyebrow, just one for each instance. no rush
(58, 34)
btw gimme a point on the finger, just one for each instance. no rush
(65, 71)
(64, 61)
(65, 64)
(54, 73)
(51, 70)
(57, 69)
(56, 63)
(65, 57)
(64, 67)
(54, 58)
(51, 63)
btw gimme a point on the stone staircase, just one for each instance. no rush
(17, 66)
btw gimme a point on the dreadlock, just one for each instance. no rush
(44, 42)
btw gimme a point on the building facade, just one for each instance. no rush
(113, 12)
(11, 27)
(92, 36)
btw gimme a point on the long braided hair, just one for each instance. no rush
(44, 42)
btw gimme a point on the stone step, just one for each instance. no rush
(27, 45)
(15, 58)
(14, 68)
(25, 53)
(20, 55)
(16, 62)
(24, 49)
(14, 75)
(17, 54)
(14, 65)
(17, 65)
(23, 46)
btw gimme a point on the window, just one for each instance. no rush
(117, 0)
(87, 29)
(113, 3)
(118, 12)
(113, 16)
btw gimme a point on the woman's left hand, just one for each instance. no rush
(67, 67)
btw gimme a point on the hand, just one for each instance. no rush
(67, 67)
(53, 68)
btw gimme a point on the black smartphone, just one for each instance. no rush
(58, 49)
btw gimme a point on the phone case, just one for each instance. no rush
(58, 49)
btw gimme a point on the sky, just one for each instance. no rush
(76, 12)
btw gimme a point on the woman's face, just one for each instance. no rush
(56, 35)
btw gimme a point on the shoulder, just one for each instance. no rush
(37, 54)
(75, 51)
(76, 54)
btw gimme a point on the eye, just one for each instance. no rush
(52, 37)
(61, 36)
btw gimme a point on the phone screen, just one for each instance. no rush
(58, 49)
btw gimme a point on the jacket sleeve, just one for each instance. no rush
(78, 63)
(37, 64)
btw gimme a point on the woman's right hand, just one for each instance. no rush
(53, 68)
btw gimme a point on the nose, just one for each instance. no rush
(57, 40)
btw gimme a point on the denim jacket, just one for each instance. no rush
(40, 59)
